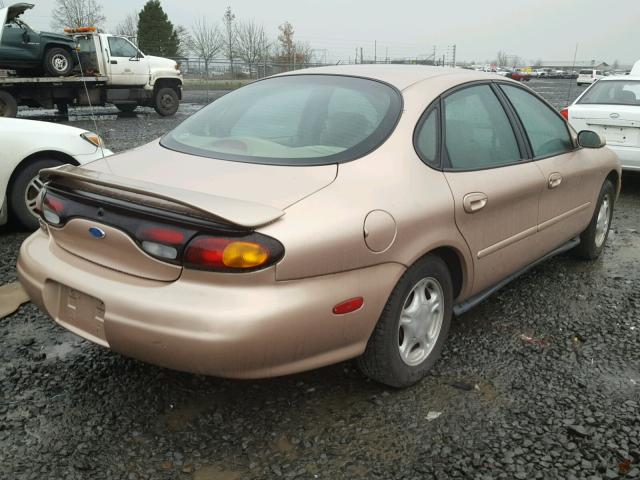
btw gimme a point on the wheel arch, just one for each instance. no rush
(44, 154)
(174, 83)
(456, 264)
(614, 177)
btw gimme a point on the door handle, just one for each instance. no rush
(114, 62)
(475, 201)
(555, 179)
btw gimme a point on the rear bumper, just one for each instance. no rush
(239, 326)
(629, 156)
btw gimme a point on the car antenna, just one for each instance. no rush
(86, 91)
(573, 69)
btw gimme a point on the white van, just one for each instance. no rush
(587, 77)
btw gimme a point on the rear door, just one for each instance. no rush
(569, 172)
(495, 192)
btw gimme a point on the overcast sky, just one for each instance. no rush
(531, 29)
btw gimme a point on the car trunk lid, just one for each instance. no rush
(619, 124)
(171, 192)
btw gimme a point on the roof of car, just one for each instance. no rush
(620, 77)
(400, 76)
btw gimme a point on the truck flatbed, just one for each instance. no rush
(54, 81)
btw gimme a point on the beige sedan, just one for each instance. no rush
(318, 216)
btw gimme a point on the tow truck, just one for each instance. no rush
(109, 69)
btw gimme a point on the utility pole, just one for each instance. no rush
(375, 51)
(434, 55)
(386, 55)
(356, 55)
(361, 57)
(454, 55)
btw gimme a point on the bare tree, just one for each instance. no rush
(128, 27)
(206, 41)
(287, 45)
(250, 45)
(184, 40)
(230, 36)
(304, 52)
(501, 58)
(77, 13)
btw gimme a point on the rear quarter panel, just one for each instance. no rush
(324, 233)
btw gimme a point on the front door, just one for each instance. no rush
(495, 192)
(127, 65)
(566, 203)
(19, 46)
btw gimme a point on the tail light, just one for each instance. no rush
(248, 253)
(199, 246)
(565, 113)
(52, 209)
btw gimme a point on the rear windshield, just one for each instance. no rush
(586, 72)
(292, 120)
(613, 92)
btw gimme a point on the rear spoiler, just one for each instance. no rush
(235, 212)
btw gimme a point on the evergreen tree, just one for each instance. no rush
(156, 35)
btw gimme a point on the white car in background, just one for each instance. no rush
(586, 77)
(28, 146)
(611, 107)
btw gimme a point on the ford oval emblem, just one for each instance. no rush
(97, 232)
(614, 115)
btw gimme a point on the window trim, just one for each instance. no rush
(445, 162)
(433, 106)
(526, 135)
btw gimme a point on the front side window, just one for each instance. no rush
(121, 47)
(547, 131)
(292, 120)
(613, 92)
(478, 133)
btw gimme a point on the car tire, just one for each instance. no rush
(594, 238)
(24, 189)
(127, 107)
(8, 105)
(166, 101)
(389, 357)
(58, 62)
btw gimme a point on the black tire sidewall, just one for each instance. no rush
(165, 112)
(48, 67)
(396, 372)
(588, 248)
(17, 206)
(10, 105)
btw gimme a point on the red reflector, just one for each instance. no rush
(161, 235)
(348, 306)
(565, 113)
(53, 203)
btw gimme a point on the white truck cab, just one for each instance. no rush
(133, 78)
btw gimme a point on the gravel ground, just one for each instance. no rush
(541, 380)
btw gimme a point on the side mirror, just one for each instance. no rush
(590, 139)
(25, 37)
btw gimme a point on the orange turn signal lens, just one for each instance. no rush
(244, 255)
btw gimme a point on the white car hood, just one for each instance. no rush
(160, 62)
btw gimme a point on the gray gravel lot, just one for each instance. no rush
(542, 380)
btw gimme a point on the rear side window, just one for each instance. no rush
(547, 131)
(292, 120)
(426, 138)
(613, 92)
(478, 133)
